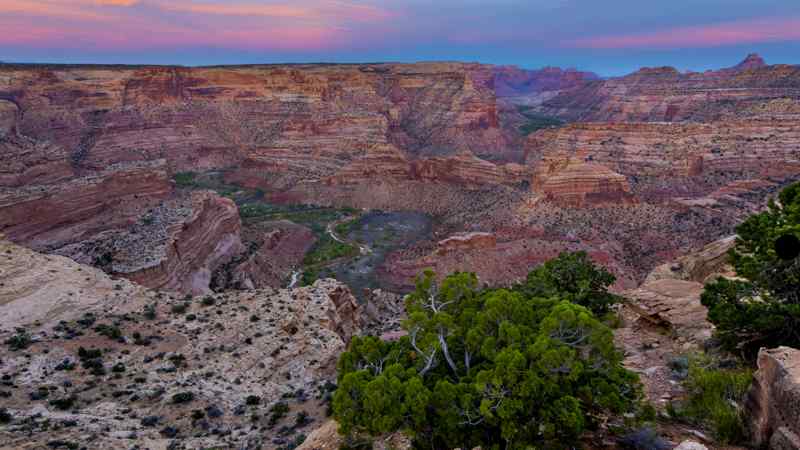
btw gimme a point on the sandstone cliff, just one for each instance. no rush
(579, 183)
(674, 160)
(304, 120)
(182, 253)
(664, 94)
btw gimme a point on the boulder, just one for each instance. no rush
(466, 241)
(691, 445)
(773, 403)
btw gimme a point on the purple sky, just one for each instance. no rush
(610, 37)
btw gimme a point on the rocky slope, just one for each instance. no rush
(205, 372)
(663, 318)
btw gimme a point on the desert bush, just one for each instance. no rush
(185, 179)
(182, 397)
(714, 399)
(277, 412)
(19, 341)
(109, 331)
(5, 416)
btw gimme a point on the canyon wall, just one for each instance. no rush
(299, 121)
(662, 160)
(663, 94)
(87, 154)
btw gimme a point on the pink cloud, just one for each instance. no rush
(135, 36)
(234, 9)
(316, 10)
(117, 2)
(110, 25)
(52, 8)
(749, 32)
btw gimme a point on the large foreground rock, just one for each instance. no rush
(773, 404)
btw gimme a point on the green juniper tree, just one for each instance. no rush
(573, 277)
(493, 368)
(761, 307)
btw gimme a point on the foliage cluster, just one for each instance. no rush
(714, 398)
(536, 121)
(494, 368)
(184, 179)
(761, 308)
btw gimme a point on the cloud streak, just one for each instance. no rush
(716, 35)
(532, 33)
(146, 24)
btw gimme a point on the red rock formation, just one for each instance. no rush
(272, 256)
(752, 61)
(498, 263)
(579, 183)
(193, 246)
(50, 216)
(383, 163)
(664, 94)
(388, 164)
(308, 121)
(467, 170)
(675, 160)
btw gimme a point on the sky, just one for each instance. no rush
(610, 37)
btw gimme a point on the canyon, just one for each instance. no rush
(188, 220)
(666, 159)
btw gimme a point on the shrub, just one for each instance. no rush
(185, 179)
(150, 312)
(761, 308)
(177, 360)
(182, 397)
(278, 412)
(179, 308)
(301, 419)
(109, 331)
(64, 403)
(714, 396)
(92, 360)
(19, 341)
(485, 367)
(5, 416)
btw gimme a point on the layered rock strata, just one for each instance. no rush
(174, 246)
(663, 161)
(663, 94)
